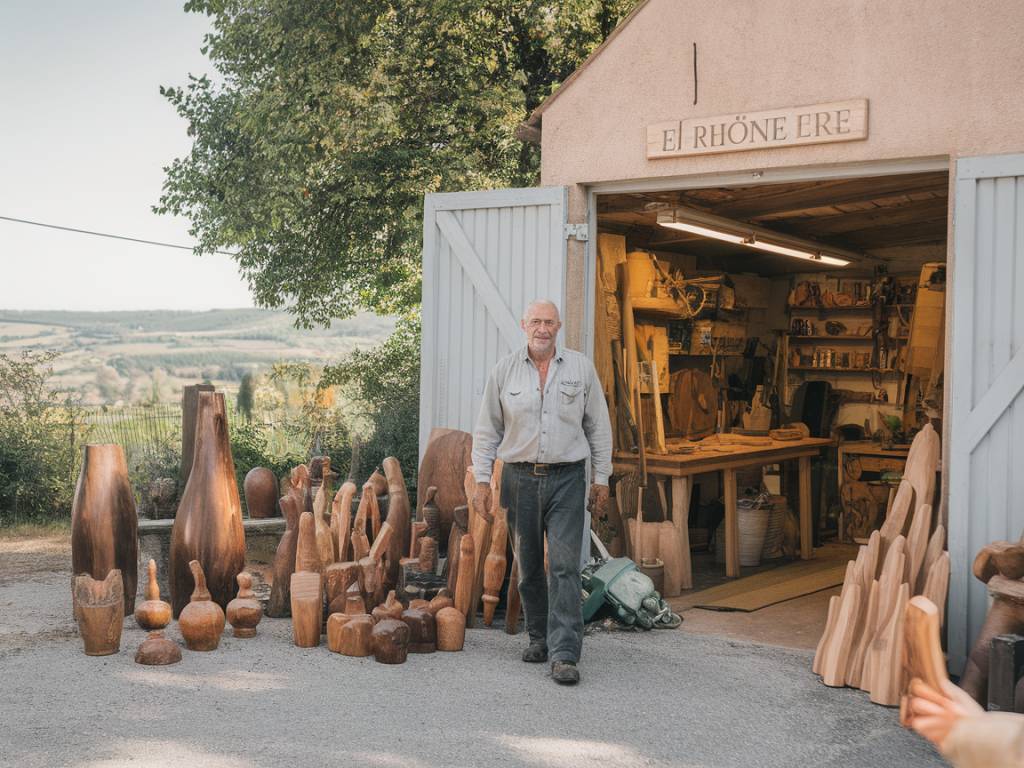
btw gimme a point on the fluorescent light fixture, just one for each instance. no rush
(749, 236)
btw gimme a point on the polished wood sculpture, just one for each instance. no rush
(279, 606)
(451, 629)
(208, 526)
(153, 613)
(459, 527)
(104, 521)
(448, 453)
(245, 611)
(399, 515)
(354, 636)
(484, 521)
(341, 519)
(430, 515)
(158, 651)
(428, 555)
(422, 630)
(307, 607)
(307, 555)
(299, 485)
(378, 482)
(467, 575)
(494, 568)
(99, 611)
(201, 621)
(335, 621)
(389, 609)
(390, 641)
(325, 542)
(261, 493)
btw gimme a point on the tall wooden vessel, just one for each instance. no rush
(208, 526)
(104, 522)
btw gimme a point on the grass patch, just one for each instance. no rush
(36, 530)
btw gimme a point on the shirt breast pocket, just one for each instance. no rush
(514, 401)
(570, 401)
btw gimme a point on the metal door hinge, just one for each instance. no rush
(579, 232)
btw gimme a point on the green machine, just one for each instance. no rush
(630, 593)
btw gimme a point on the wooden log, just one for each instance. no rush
(208, 525)
(390, 641)
(341, 519)
(201, 621)
(307, 607)
(307, 554)
(399, 516)
(464, 584)
(104, 520)
(451, 630)
(261, 493)
(99, 611)
(153, 613)
(494, 568)
(922, 649)
(886, 654)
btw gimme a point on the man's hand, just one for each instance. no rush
(598, 499)
(934, 713)
(482, 500)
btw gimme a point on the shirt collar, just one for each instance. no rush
(525, 354)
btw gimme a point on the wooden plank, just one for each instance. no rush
(806, 522)
(681, 520)
(732, 531)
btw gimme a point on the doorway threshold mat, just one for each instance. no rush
(798, 586)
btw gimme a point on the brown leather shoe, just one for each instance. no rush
(564, 673)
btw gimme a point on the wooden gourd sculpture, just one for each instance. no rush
(261, 493)
(279, 606)
(104, 521)
(1000, 566)
(422, 630)
(399, 515)
(307, 586)
(99, 611)
(208, 526)
(153, 613)
(202, 620)
(245, 611)
(451, 629)
(157, 651)
(389, 641)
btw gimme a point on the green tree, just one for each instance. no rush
(330, 120)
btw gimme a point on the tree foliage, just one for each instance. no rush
(330, 119)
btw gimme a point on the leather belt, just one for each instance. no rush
(541, 470)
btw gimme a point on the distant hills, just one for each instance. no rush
(145, 355)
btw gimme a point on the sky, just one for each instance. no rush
(84, 138)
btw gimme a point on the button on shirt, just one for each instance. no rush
(567, 422)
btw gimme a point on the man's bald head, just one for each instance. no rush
(540, 307)
(541, 324)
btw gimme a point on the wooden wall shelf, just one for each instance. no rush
(845, 337)
(842, 370)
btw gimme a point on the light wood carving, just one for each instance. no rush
(307, 607)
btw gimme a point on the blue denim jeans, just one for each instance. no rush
(550, 501)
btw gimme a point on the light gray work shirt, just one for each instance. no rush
(566, 422)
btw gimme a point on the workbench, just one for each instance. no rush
(709, 456)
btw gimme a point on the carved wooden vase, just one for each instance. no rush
(451, 629)
(153, 613)
(99, 610)
(104, 521)
(261, 493)
(202, 620)
(208, 526)
(245, 611)
(390, 641)
(158, 651)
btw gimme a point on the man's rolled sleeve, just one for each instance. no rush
(597, 426)
(490, 428)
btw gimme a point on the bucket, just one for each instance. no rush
(753, 525)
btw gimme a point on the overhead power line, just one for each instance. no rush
(107, 234)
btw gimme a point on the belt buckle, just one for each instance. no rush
(540, 470)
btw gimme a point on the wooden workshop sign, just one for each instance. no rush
(739, 132)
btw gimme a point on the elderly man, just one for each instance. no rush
(543, 414)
